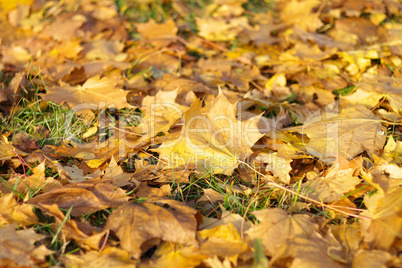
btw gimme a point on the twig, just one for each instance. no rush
(274, 184)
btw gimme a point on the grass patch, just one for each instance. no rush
(46, 122)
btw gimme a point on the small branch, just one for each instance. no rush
(276, 185)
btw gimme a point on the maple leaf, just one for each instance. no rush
(85, 197)
(222, 241)
(116, 173)
(372, 89)
(104, 50)
(374, 258)
(160, 112)
(306, 252)
(277, 227)
(346, 133)
(97, 91)
(152, 30)
(333, 185)
(89, 240)
(170, 254)
(277, 164)
(349, 236)
(214, 141)
(219, 29)
(109, 257)
(11, 211)
(300, 13)
(386, 223)
(18, 247)
(37, 181)
(166, 219)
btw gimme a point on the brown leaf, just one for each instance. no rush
(96, 91)
(346, 133)
(223, 241)
(85, 197)
(109, 257)
(277, 227)
(371, 258)
(386, 223)
(35, 182)
(333, 185)
(72, 228)
(305, 252)
(18, 246)
(165, 219)
(372, 89)
(160, 112)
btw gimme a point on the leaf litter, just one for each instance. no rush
(213, 134)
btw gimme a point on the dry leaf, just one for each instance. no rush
(18, 247)
(166, 219)
(13, 212)
(346, 133)
(277, 227)
(85, 197)
(215, 141)
(95, 93)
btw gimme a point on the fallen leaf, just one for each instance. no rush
(215, 141)
(300, 13)
(77, 175)
(222, 241)
(166, 219)
(305, 252)
(346, 133)
(170, 254)
(117, 175)
(13, 212)
(85, 197)
(372, 89)
(220, 29)
(18, 247)
(371, 258)
(333, 185)
(386, 223)
(36, 182)
(97, 92)
(160, 112)
(276, 227)
(210, 195)
(71, 229)
(278, 165)
(109, 257)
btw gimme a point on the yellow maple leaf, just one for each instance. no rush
(214, 141)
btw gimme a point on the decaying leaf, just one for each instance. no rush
(72, 230)
(85, 197)
(333, 185)
(13, 212)
(215, 239)
(346, 133)
(173, 118)
(277, 227)
(109, 257)
(386, 223)
(279, 166)
(17, 247)
(166, 219)
(95, 92)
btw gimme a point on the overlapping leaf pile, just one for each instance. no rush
(265, 138)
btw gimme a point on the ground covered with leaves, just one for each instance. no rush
(189, 133)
